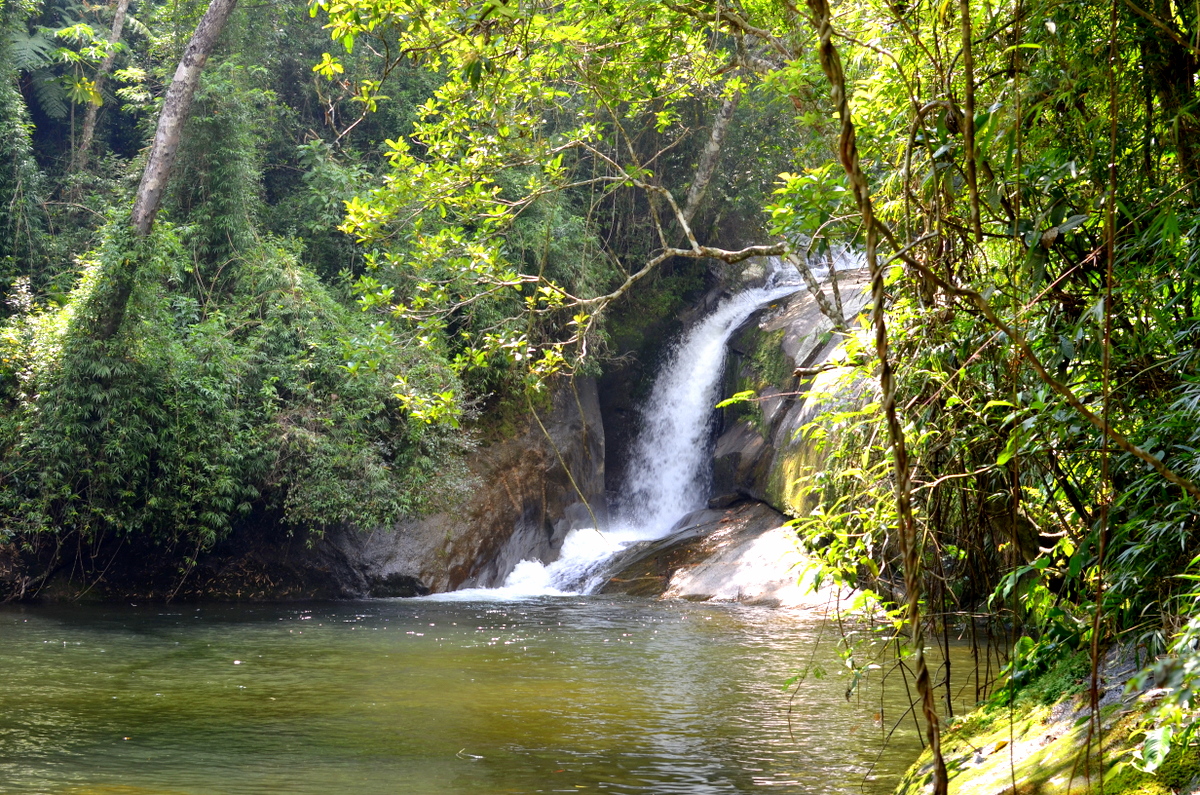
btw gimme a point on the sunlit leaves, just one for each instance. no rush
(329, 67)
(813, 207)
(443, 408)
(81, 90)
(530, 91)
(88, 50)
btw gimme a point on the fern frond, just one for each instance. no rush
(136, 25)
(30, 50)
(49, 92)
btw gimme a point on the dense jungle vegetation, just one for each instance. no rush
(386, 216)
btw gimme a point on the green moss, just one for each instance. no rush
(976, 750)
(769, 364)
(1066, 677)
(979, 721)
(1128, 780)
(647, 318)
(1180, 768)
(764, 365)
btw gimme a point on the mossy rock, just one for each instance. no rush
(1029, 751)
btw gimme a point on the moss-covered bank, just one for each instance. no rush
(1034, 747)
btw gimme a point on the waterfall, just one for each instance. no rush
(668, 473)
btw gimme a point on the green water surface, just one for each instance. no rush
(417, 696)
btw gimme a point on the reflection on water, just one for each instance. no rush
(417, 696)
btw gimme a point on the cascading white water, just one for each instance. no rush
(668, 472)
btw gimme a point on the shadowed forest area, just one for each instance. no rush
(387, 225)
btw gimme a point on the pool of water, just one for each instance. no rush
(566, 694)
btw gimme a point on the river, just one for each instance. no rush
(549, 694)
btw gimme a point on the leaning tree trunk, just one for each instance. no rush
(709, 157)
(80, 159)
(176, 107)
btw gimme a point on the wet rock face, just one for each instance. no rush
(760, 452)
(531, 491)
(741, 464)
(742, 553)
(257, 563)
(397, 585)
(648, 568)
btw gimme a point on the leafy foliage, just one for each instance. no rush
(202, 412)
(1016, 488)
(21, 219)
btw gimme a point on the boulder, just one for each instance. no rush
(761, 452)
(532, 489)
(742, 553)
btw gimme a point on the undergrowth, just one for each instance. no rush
(209, 408)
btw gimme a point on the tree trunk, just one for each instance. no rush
(709, 157)
(80, 159)
(114, 296)
(176, 107)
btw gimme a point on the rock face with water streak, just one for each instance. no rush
(534, 487)
(531, 490)
(738, 550)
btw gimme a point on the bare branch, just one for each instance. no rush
(699, 252)
(814, 288)
(735, 22)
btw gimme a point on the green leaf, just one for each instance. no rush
(740, 397)
(1010, 449)
(1155, 747)
(1072, 222)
